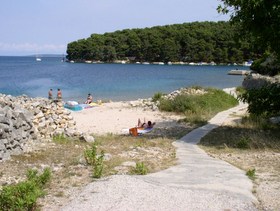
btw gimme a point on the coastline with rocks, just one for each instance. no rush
(26, 123)
(42, 119)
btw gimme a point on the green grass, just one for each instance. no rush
(60, 139)
(199, 108)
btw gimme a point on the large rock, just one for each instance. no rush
(256, 81)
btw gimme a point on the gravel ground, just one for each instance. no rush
(133, 193)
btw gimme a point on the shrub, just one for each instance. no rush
(157, 96)
(243, 143)
(264, 101)
(24, 195)
(95, 160)
(251, 173)
(269, 64)
(141, 169)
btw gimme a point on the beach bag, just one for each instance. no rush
(133, 131)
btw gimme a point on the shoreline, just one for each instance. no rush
(113, 117)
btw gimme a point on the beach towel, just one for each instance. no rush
(140, 131)
(75, 106)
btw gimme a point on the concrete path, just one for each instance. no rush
(199, 182)
(197, 170)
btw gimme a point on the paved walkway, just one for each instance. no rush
(199, 182)
(197, 170)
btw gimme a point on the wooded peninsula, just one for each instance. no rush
(217, 42)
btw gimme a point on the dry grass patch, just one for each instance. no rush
(69, 169)
(156, 153)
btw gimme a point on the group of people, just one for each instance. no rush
(58, 96)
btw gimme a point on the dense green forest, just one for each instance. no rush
(217, 42)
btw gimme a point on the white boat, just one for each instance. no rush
(38, 59)
(239, 72)
(63, 58)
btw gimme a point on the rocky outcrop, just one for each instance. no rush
(185, 91)
(24, 121)
(256, 81)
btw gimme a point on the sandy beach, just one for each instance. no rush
(113, 117)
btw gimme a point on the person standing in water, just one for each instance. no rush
(59, 95)
(50, 94)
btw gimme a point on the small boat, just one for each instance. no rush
(239, 72)
(38, 59)
(63, 58)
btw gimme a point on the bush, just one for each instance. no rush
(24, 195)
(200, 107)
(140, 169)
(243, 143)
(269, 64)
(157, 96)
(251, 173)
(95, 160)
(264, 101)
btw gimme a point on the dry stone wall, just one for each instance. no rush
(24, 121)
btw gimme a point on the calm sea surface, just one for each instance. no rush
(24, 75)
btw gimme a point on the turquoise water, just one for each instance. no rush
(24, 75)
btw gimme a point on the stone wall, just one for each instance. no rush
(24, 121)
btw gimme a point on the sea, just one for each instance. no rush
(116, 82)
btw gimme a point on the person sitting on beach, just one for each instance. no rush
(89, 99)
(145, 125)
(141, 126)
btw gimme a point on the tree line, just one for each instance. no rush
(188, 42)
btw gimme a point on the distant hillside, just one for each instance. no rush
(187, 42)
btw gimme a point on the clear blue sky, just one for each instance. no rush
(46, 26)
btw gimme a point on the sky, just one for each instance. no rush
(46, 26)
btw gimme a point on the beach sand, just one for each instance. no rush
(113, 117)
